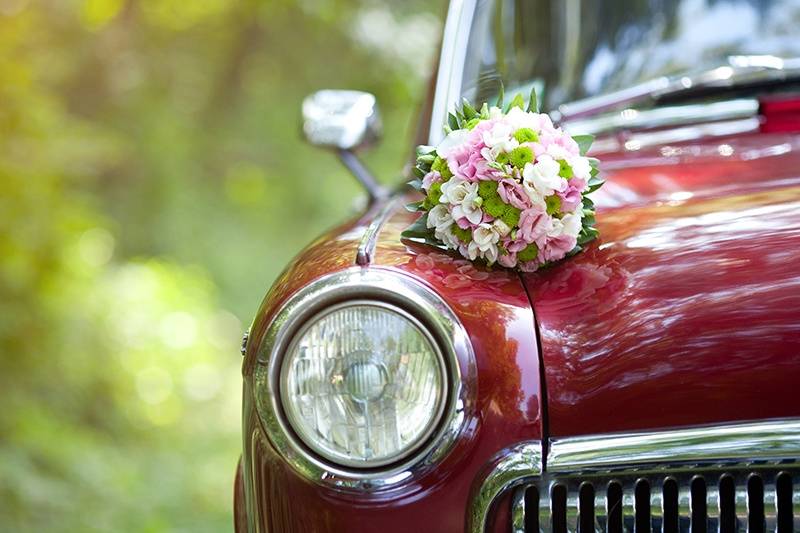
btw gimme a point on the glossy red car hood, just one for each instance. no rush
(687, 310)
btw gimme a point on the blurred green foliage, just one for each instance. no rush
(152, 185)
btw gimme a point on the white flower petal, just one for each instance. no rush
(453, 140)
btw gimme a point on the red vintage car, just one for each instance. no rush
(651, 382)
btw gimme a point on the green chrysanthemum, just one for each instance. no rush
(511, 216)
(434, 194)
(463, 235)
(565, 171)
(525, 135)
(529, 253)
(553, 204)
(487, 189)
(494, 206)
(440, 166)
(520, 155)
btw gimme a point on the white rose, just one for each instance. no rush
(536, 196)
(490, 253)
(439, 217)
(495, 113)
(500, 134)
(501, 227)
(470, 206)
(572, 223)
(543, 176)
(454, 191)
(581, 167)
(453, 140)
(557, 152)
(518, 118)
(485, 236)
(446, 235)
(473, 251)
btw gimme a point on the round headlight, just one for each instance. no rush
(363, 384)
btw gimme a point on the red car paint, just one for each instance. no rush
(686, 311)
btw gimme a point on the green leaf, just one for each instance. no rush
(416, 184)
(418, 172)
(500, 96)
(584, 142)
(533, 103)
(414, 206)
(594, 184)
(426, 159)
(485, 111)
(469, 111)
(419, 229)
(452, 121)
(518, 101)
(587, 234)
(424, 149)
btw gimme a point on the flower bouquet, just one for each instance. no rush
(506, 186)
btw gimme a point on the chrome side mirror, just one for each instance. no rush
(344, 121)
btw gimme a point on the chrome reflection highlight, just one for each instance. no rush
(775, 440)
(511, 467)
(436, 327)
(363, 384)
(767, 447)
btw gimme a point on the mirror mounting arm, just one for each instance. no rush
(345, 121)
(362, 174)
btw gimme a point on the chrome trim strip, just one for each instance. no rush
(451, 64)
(638, 141)
(739, 72)
(518, 512)
(366, 248)
(391, 288)
(510, 467)
(661, 117)
(773, 439)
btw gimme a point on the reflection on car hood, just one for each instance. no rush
(687, 310)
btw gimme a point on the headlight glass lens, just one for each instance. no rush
(363, 385)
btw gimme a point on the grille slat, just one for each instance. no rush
(545, 525)
(770, 506)
(656, 508)
(741, 507)
(684, 507)
(628, 509)
(600, 509)
(712, 507)
(572, 510)
(752, 501)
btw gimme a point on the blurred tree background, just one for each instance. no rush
(152, 185)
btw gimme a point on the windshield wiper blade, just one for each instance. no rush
(740, 72)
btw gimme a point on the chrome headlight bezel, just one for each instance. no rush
(396, 291)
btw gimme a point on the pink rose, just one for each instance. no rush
(430, 178)
(512, 192)
(508, 260)
(533, 223)
(557, 247)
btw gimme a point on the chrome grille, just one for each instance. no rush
(725, 498)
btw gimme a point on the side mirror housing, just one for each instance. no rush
(343, 120)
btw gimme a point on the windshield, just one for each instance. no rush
(573, 49)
